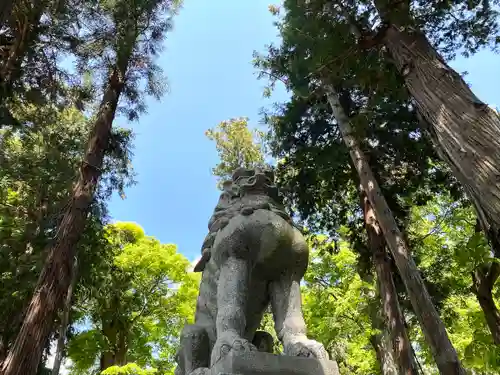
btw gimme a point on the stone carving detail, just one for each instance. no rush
(253, 256)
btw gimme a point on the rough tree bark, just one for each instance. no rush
(117, 338)
(64, 322)
(122, 348)
(107, 360)
(382, 345)
(433, 328)
(484, 278)
(401, 346)
(108, 356)
(56, 275)
(466, 130)
(381, 342)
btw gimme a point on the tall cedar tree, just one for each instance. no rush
(38, 166)
(126, 37)
(464, 130)
(401, 345)
(433, 328)
(34, 37)
(287, 66)
(63, 327)
(308, 174)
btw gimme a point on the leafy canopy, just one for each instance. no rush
(141, 296)
(237, 146)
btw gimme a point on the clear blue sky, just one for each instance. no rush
(208, 62)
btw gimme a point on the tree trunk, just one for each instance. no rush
(381, 342)
(401, 346)
(107, 360)
(483, 280)
(56, 275)
(385, 356)
(122, 348)
(433, 328)
(492, 315)
(64, 322)
(117, 338)
(108, 355)
(464, 128)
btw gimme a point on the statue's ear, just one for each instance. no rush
(269, 174)
(205, 257)
(226, 185)
(242, 172)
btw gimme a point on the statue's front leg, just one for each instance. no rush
(289, 321)
(232, 299)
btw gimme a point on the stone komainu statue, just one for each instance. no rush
(253, 256)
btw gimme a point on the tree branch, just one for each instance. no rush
(145, 306)
(367, 39)
(275, 77)
(448, 212)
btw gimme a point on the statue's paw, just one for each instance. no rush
(201, 371)
(301, 346)
(228, 341)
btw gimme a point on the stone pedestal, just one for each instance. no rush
(258, 363)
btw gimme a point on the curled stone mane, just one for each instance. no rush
(244, 182)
